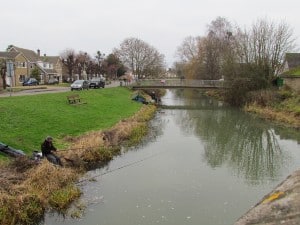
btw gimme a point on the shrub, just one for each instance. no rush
(263, 97)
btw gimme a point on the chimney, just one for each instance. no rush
(39, 52)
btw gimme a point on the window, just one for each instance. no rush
(22, 78)
(21, 64)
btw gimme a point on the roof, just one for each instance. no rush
(292, 59)
(9, 55)
(50, 71)
(51, 59)
(29, 54)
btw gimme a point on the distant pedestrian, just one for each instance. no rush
(48, 148)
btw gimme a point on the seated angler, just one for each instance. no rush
(48, 148)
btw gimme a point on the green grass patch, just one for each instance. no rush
(137, 134)
(27, 120)
(295, 71)
(61, 199)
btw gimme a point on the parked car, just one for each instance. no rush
(30, 82)
(80, 85)
(52, 81)
(97, 82)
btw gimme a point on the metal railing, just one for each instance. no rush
(177, 83)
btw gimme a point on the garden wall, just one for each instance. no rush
(293, 81)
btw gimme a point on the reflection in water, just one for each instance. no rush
(251, 148)
(164, 181)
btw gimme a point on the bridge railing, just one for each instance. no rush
(179, 83)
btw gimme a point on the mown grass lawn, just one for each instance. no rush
(26, 120)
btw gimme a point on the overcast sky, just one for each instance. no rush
(91, 25)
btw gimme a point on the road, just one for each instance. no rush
(42, 89)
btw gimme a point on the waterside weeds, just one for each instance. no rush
(36, 187)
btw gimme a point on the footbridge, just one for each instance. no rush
(176, 83)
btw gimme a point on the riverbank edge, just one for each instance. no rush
(280, 206)
(34, 188)
(283, 118)
(276, 115)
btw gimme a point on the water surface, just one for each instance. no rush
(204, 165)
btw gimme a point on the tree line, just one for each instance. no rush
(133, 54)
(247, 58)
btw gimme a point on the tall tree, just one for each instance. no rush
(265, 45)
(143, 59)
(188, 50)
(99, 59)
(82, 60)
(114, 67)
(69, 60)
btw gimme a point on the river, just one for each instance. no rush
(203, 165)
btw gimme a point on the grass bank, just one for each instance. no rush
(281, 106)
(27, 120)
(87, 134)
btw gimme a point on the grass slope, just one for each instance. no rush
(26, 120)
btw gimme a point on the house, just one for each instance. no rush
(50, 67)
(291, 71)
(25, 60)
(20, 66)
(292, 60)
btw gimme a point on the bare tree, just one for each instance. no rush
(82, 60)
(264, 46)
(99, 59)
(140, 57)
(69, 60)
(188, 50)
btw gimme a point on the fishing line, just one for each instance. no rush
(119, 168)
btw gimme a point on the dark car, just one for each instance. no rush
(97, 82)
(30, 82)
(80, 85)
(52, 81)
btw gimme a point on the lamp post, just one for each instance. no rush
(10, 70)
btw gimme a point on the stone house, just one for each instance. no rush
(25, 60)
(20, 65)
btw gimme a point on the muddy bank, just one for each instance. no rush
(28, 188)
(281, 206)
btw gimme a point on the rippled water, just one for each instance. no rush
(207, 164)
